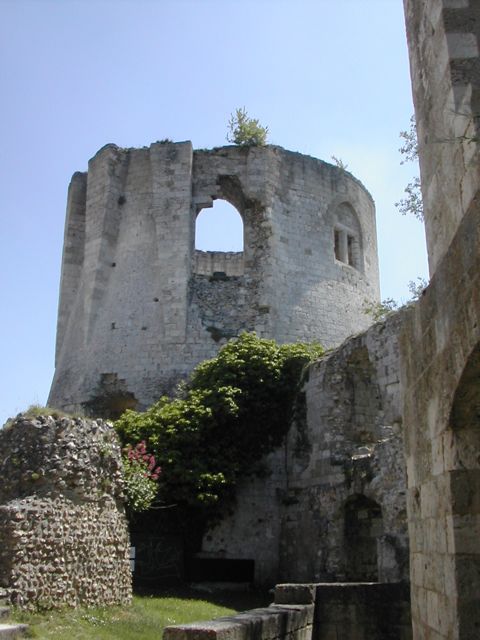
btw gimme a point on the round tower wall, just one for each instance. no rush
(140, 307)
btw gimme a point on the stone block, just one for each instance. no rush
(295, 594)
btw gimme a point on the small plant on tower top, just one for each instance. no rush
(246, 131)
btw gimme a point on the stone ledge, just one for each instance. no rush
(292, 621)
(295, 594)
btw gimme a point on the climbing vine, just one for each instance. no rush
(234, 410)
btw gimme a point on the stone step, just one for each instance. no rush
(12, 631)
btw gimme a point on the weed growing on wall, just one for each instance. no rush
(380, 310)
(234, 410)
(412, 202)
(246, 131)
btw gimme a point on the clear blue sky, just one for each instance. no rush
(329, 78)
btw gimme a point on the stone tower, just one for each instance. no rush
(140, 307)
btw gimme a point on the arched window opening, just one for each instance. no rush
(347, 244)
(219, 228)
(219, 241)
(363, 527)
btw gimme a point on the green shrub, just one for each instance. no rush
(236, 408)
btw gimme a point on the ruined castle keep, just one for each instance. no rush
(140, 306)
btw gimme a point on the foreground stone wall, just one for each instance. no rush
(139, 307)
(441, 369)
(333, 506)
(63, 532)
(277, 622)
(314, 611)
(440, 344)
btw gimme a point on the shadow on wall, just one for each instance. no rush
(363, 527)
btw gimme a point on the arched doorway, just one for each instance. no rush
(363, 527)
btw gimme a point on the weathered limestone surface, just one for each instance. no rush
(63, 532)
(277, 622)
(334, 505)
(445, 71)
(440, 344)
(139, 307)
(440, 369)
(345, 508)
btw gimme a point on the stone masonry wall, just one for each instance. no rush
(440, 341)
(63, 531)
(334, 505)
(445, 71)
(140, 307)
(440, 373)
(344, 515)
(276, 622)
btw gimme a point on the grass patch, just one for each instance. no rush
(36, 410)
(143, 620)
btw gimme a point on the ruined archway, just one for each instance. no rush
(464, 522)
(219, 240)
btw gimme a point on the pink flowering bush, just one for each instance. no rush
(140, 474)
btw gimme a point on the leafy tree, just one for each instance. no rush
(412, 203)
(246, 131)
(235, 409)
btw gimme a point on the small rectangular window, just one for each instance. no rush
(337, 244)
(351, 251)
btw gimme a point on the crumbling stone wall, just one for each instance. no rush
(63, 531)
(140, 307)
(333, 506)
(344, 514)
(441, 336)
